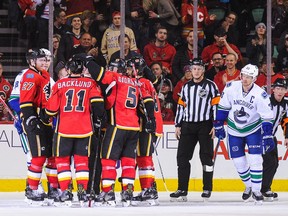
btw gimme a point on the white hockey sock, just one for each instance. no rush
(256, 171)
(242, 167)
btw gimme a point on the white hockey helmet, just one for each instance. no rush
(250, 70)
(47, 52)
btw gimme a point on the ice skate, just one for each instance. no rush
(247, 194)
(65, 199)
(206, 195)
(179, 196)
(269, 196)
(147, 196)
(258, 197)
(82, 196)
(34, 197)
(127, 195)
(105, 199)
(53, 193)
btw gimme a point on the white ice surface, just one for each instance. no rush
(220, 203)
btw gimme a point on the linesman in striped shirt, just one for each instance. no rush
(279, 105)
(194, 123)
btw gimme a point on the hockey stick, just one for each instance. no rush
(161, 170)
(92, 192)
(22, 136)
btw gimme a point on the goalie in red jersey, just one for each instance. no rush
(73, 100)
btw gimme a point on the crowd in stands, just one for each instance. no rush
(162, 32)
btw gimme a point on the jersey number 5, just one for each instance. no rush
(70, 96)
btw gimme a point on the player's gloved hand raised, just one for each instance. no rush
(18, 126)
(219, 129)
(268, 143)
(150, 126)
(34, 124)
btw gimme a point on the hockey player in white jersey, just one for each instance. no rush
(247, 109)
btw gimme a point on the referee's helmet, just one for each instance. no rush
(197, 61)
(280, 82)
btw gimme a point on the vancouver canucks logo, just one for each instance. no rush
(240, 116)
(46, 91)
(202, 93)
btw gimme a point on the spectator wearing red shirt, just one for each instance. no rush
(230, 74)
(203, 18)
(187, 76)
(262, 78)
(160, 50)
(220, 45)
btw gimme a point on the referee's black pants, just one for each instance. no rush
(270, 165)
(191, 133)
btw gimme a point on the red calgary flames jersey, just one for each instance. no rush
(34, 89)
(157, 108)
(71, 99)
(123, 101)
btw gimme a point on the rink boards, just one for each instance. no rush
(13, 164)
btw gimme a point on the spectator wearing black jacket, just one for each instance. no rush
(182, 57)
(86, 47)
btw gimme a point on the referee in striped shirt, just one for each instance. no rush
(194, 123)
(279, 105)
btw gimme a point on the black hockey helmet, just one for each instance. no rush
(119, 63)
(139, 64)
(280, 82)
(196, 61)
(75, 65)
(33, 54)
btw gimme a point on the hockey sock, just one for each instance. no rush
(64, 172)
(243, 170)
(128, 171)
(146, 171)
(82, 170)
(51, 172)
(108, 174)
(256, 171)
(35, 172)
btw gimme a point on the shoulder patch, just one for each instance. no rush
(30, 75)
(264, 94)
(228, 84)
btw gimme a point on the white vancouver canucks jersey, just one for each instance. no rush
(246, 110)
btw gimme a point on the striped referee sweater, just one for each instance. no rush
(197, 102)
(280, 110)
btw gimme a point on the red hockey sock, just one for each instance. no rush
(128, 171)
(64, 172)
(35, 172)
(108, 174)
(51, 172)
(146, 171)
(82, 170)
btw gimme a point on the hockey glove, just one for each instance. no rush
(33, 124)
(46, 119)
(150, 126)
(219, 129)
(267, 142)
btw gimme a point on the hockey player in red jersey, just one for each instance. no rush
(73, 100)
(146, 142)
(34, 93)
(122, 132)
